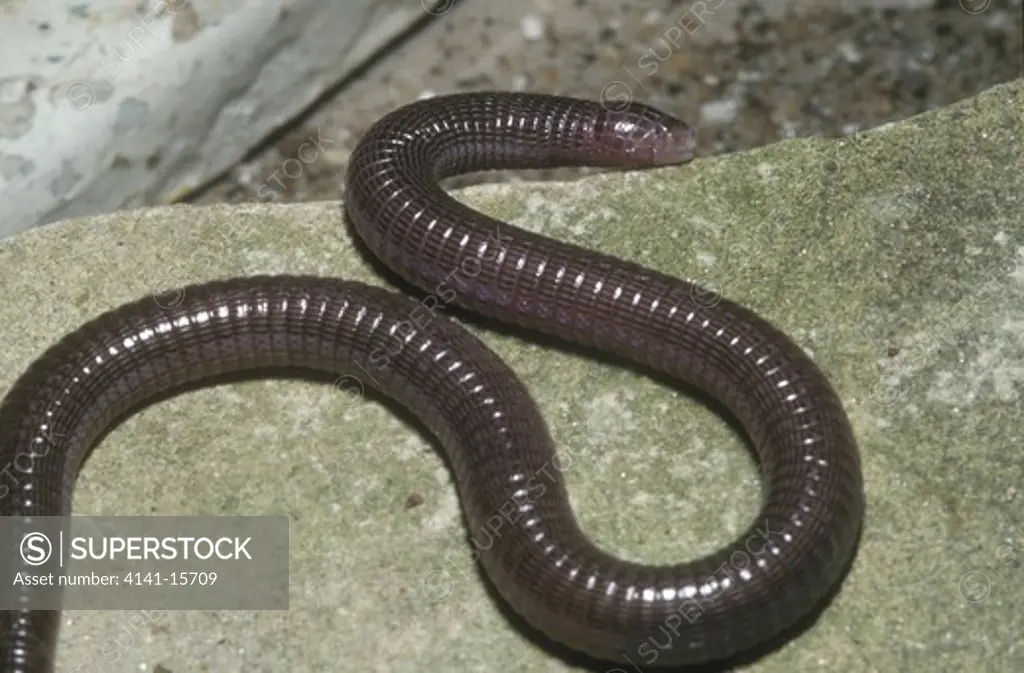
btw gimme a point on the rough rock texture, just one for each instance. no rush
(896, 258)
(108, 104)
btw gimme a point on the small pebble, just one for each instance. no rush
(718, 112)
(849, 52)
(652, 17)
(532, 27)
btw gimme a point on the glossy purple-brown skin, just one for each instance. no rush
(503, 460)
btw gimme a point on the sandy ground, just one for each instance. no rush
(746, 75)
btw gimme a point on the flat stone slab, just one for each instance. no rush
(895, 257)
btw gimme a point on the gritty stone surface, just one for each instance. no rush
(895, 257)
(745, 73)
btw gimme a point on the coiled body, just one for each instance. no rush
(498, 445)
